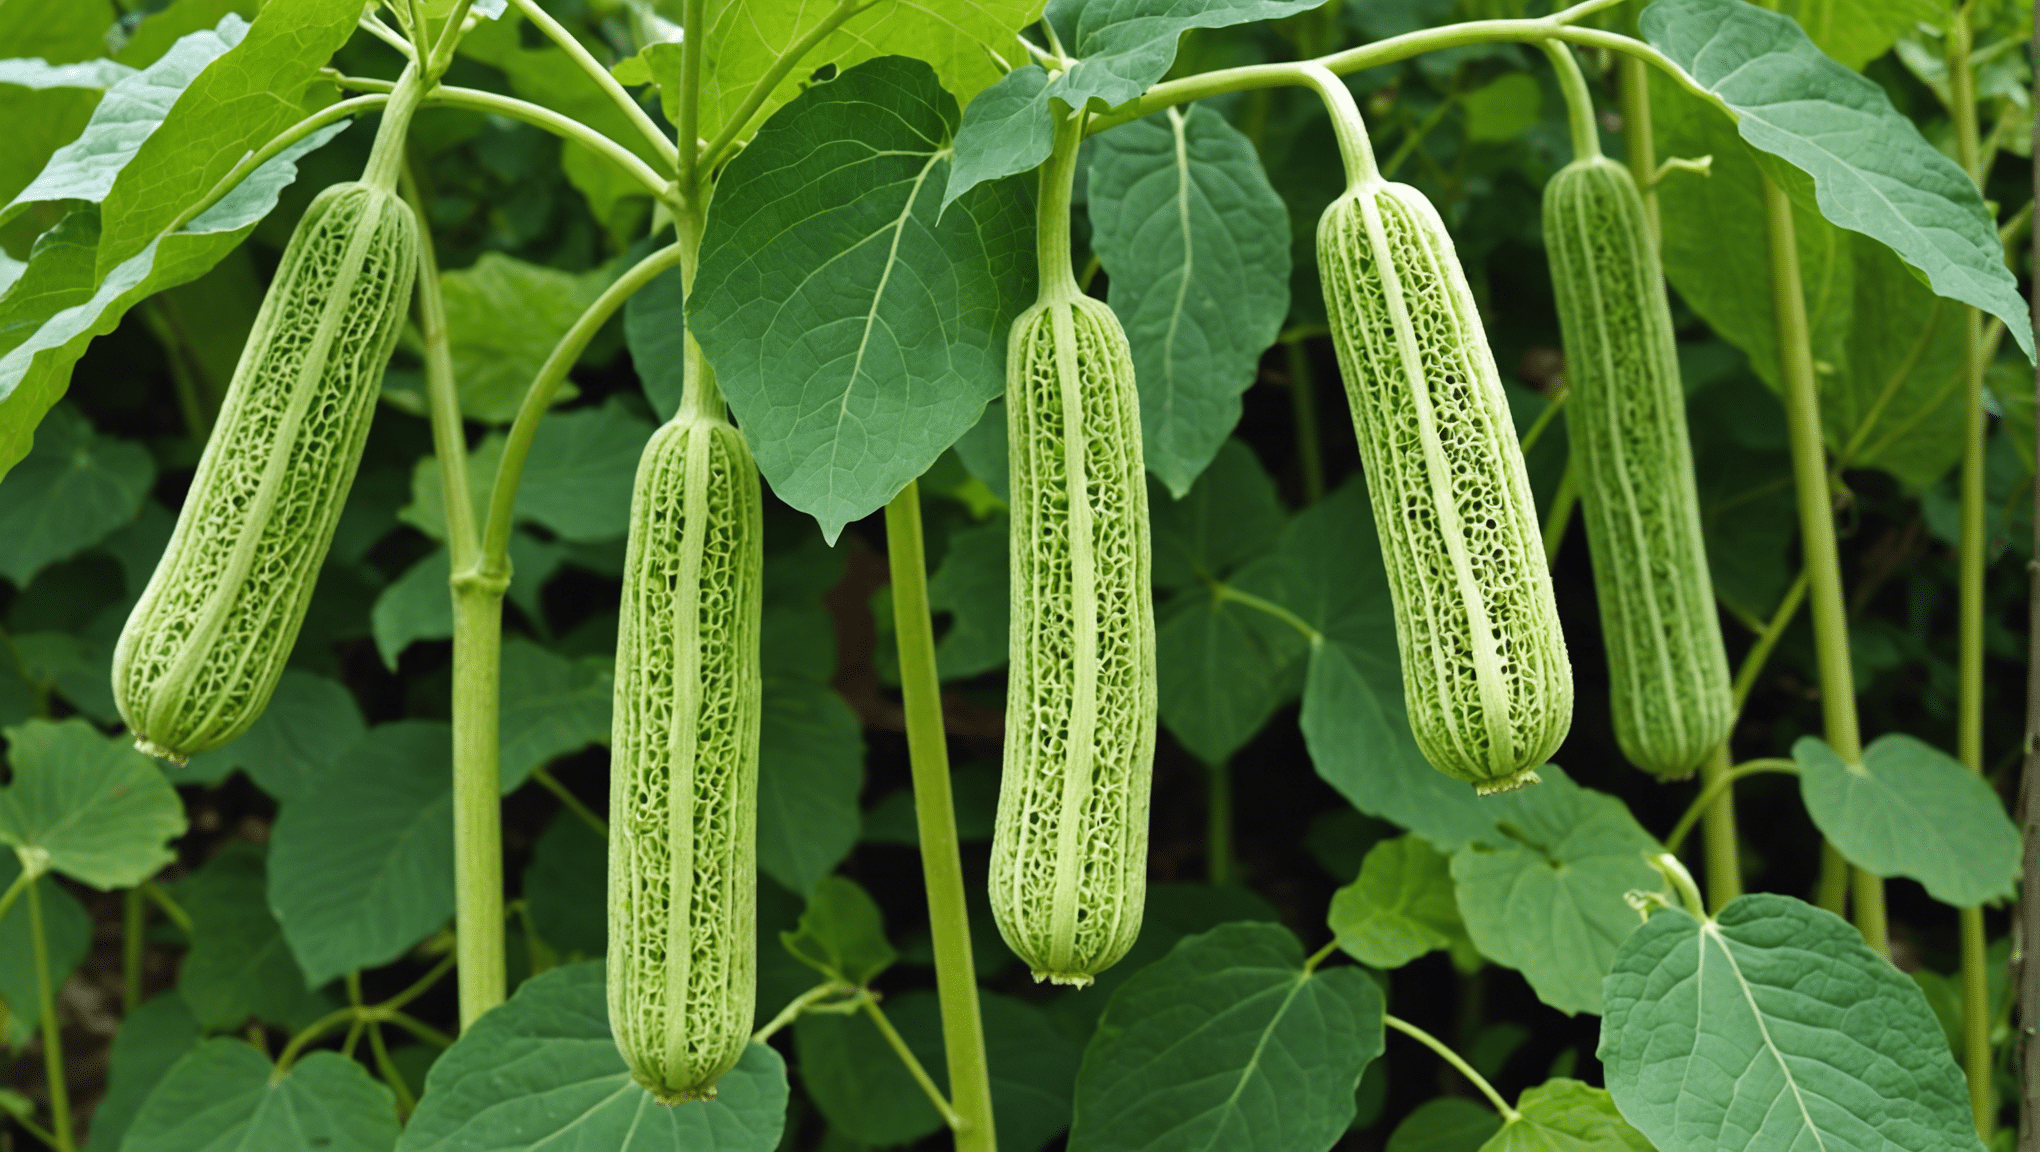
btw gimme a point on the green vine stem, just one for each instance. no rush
(134, 921)
(1714, 789)
(1724, 852)
(1446, 1054)
(1760, 651)
(898, 1044)
(1559, 517)
(618, 95)
(1817, 525)
(734, 127)
(1638, 146)
(1579, 104)
(963, 1037)
(52, 1028)
(1969, 584)
(2026, 933)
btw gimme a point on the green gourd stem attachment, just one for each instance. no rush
(1355, 150)
(683, 796)
(1579, 104)
(386, 157)
(1485, 673)
(1669, 682)
(206, 643)
(1069, 854)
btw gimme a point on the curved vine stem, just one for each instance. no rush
(1557, 26)
(663, 148)
(963, 1038)
(52, 1028)
(1718, 787)
(331, 114)
(494, 559)
(1453, 1058)
(1579, 103)
(733, 128)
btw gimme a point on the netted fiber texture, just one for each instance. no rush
(683, 776)
(1668, 674)
(204, 646)
(1069, 853)
(1485, 674)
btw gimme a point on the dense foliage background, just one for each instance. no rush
(1243, 828)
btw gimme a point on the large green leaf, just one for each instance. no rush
(1547, 896)
(1327, 572)
(73, 490)
(1229, 1041)
(1889, 351)
(1197, 246)
(1173, 912)
(855, 336)
(963, 41)
(239, 965)
(1775, 1027)
(361, 864)
(552, 705)
(1401, 906)
(151, 1039)
(1910, 809)
(503, 316)
(1230, 516)
(859, 1084)
(61, 302)
(225, 1094)
(972, 589)
(1566, 1116)
(542, 1071)
(577, 482)
(1856, 32)
(135, 105)
(565, 889)
(309, 722)
(238, 103)
(1445, 1124)
(86, 805)
(810, 773)
(1872, 171)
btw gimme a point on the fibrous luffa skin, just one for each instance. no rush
(1669, 681)
(1069, 854)
(1485, 674)
(683, 793)
(203, 649)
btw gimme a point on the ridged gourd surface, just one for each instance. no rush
(203, 649)
(1668, 673)
(1069, 857)
(683, 808)
(1485, 673)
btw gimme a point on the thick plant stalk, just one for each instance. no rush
(1668, 672)
(683, 796)
(1069, 850)
(205, 645)
(2026, 944)
(963, 1033)
(1817, 526)
(1969, 584)
(1485, 673)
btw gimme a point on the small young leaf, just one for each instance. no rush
(1775, 1027)
(972, 588)
(551, 706)
(226, 1094)
(542, 1071)
(1445, 1124)
(361, 864)
(1910, 809)
(1228, 1042)
(577, 483)
(1401, 907)
(86, 805)
(842, 934)
(239, 965)
(503, 317)
(416, 606)
(1567, 1116)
